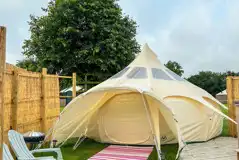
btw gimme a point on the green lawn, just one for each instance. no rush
(91, 147)
(61, 108)
(225, 131)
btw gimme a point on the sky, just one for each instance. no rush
(198, 34)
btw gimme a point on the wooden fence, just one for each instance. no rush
(2, 68)
(233, 103)
(31, 100)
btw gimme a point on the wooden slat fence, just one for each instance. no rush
(31, 100)
(233, 102)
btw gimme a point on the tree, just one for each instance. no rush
(175, 67)
(212, 82)
(231, 73)
(29, 64)
(82, 36)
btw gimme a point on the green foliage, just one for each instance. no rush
(175, 67)
(29, 64)
(209, 81)
(82, 36)
(225, 130)
(212, 82)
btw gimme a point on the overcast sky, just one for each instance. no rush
(199, 34)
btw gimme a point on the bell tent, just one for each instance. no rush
(144, 104)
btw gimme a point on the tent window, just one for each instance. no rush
(160, 74)
(119, 74)
(174, 75)
(138, 73)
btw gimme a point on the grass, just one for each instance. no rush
(61, 108)
(225, 130)
(90, 147)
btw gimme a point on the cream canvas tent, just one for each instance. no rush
(144, 104)
(222, 96)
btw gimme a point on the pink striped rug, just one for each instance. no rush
(115, 152)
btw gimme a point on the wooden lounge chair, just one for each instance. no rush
(22, 152)
(6, 153)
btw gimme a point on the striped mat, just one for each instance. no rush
(116, 152)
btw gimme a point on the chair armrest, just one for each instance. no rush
(44, 158)
(47, 150)
(37, 158)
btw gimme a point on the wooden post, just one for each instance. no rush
(43, 105)
(85, 83)
(231, 107)
(229, 102)
(2, 69)
(15, 99)
(237, 118)
(73, 85)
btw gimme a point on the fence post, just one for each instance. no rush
(2, 69)
(231, 107)
(73, 85)
(43, 103)
(15, 98)
(237, 118)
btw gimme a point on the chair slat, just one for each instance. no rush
(6, 153)
(21, 150)
(24, 146)
(18, 146)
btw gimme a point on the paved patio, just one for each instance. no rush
(222, 148)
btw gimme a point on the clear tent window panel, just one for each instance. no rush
(138, 73)
(160, 74)
(120, 74)
(174, 75)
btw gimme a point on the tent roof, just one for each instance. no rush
(78, 88)
(222, 93)
(147, 73)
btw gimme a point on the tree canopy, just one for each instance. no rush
(175, 67)
(83, 36)
(29, 64)
(212, 82)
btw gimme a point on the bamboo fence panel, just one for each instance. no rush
(8, 88)
(28, 102)
(52, 102)
(31, 100)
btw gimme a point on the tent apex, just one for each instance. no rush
(147, 50)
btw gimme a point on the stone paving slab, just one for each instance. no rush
(221, 148)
